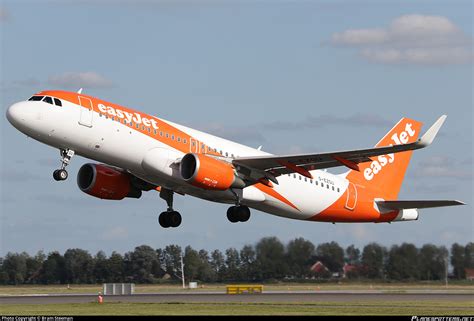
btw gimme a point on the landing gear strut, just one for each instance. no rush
(170, 218)
(61, 174)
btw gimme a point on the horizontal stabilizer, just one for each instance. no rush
(400, 205)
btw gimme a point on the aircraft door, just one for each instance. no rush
(86, 111)
(351, 200)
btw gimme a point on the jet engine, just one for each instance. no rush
(209, 173)
(106, 182)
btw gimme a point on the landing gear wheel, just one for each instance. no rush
(170, 219)
(56, 176)
(60, 174)
(174, 219)
(163, 220)
(243, 213)
(231, 214)
(239, 213)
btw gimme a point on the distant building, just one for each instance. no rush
(348, 269)
(469, 274)
(319, 268)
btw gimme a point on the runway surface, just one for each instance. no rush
(303, 297)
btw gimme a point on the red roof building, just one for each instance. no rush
(469, 274)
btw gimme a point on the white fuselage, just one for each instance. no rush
(109, 140)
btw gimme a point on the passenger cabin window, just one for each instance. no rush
(36, 98)
(48, 100)
(57, 102)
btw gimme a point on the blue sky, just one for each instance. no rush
(293, 76)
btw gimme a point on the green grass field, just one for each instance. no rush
(321, 308)
(153, 288)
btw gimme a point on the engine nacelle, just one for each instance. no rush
(106, 182)
(209, 173)
(407, 215)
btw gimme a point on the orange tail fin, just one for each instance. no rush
(385, 173)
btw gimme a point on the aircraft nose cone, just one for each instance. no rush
(14, 113)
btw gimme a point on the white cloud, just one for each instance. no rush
(88, 79)
(443, 166)
(411, 39)
(360, 37)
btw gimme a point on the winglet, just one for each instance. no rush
(431, 133)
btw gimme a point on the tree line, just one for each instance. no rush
(267, 260)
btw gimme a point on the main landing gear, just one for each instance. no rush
(170, 218)
(61, 174)
(239, 213)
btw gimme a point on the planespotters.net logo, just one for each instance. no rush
(415, 318)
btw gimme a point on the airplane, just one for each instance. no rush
(138, 152)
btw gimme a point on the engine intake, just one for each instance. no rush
(209, 173)
(106, 182)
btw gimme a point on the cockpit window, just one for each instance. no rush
(57, 102)
(36, 98)
(48, 100)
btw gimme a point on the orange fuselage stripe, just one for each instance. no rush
(162, 127)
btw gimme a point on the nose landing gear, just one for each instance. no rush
(61, 174)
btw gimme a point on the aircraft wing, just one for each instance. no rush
(401, 205)
(277, 165)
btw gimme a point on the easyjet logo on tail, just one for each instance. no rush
(398, 139)
(135, 117)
